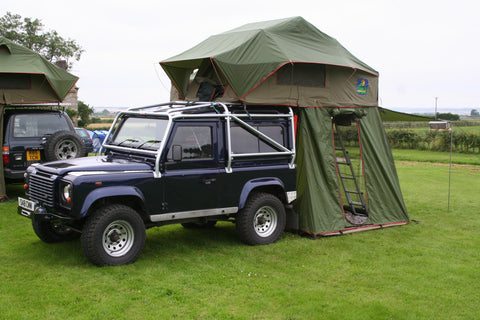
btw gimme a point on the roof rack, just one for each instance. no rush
(52, 106)
(220, 108)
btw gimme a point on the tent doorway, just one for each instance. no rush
(350, 168)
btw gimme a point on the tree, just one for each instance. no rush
(72, 114)
(84, 112)
(474, 113)
(448, 116)
(29, 33)
(105, 112)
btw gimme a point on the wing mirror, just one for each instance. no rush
(177, 152)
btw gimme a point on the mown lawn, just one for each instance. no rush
(427, 269)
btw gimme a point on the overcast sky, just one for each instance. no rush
(422, 49)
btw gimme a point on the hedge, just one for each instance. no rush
(460, 141)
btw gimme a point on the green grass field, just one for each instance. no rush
(427, 269)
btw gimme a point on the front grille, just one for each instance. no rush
(41, 188)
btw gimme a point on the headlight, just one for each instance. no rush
(66, 193)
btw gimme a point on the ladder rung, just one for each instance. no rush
(350, 191)
(345, 177)
(356, 203)
(343, 162)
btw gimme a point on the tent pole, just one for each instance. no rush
(450, 169)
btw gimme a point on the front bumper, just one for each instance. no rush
(32, 210)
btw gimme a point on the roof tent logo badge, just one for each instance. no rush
(362, 86)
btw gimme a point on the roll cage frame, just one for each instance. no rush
(195, 110)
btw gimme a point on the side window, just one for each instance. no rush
(196, 142)
(245, 142)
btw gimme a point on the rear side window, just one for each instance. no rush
(245, 142)
(37, 125)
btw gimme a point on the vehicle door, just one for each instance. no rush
(191, 167)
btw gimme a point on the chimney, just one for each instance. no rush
(62, 64)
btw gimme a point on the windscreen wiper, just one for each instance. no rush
(127, 140)
(148, 141)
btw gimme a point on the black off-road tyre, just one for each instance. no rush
(262, 220)
(63, 145)
(113, 235)
(51, 232)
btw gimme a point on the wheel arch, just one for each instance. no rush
(129, 196)
(271, 185)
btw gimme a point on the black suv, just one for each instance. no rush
(188, 163)
(34, 135)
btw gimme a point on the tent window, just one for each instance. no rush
(15, 81)
(302, 74)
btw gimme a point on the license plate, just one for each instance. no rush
(26, 204)
(33, 155)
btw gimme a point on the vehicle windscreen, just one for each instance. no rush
(140, 133)
(38, 125)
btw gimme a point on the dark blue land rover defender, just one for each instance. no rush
(189, 163)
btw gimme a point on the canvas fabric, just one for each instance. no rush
(49, 83)
(318, 204)
(245, 61)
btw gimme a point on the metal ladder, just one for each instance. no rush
(357, 206)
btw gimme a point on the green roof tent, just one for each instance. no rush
(290, 62)
(26, 78)
(251, 61)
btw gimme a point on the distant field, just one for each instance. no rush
(423, 156)
(469, 129)
(98, 126)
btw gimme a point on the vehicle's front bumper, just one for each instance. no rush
(34, 211)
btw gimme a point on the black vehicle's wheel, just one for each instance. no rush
(262, 220)
(113, 235)
(200, 225)
(63, 145)
(51, 232)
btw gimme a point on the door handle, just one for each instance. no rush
(208, 180)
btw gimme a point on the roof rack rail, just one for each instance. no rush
(186, 107)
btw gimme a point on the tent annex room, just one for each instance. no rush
(28, 79)
(346, 176)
